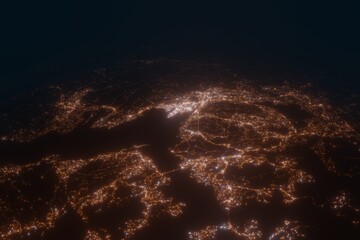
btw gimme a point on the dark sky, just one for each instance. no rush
(34, 32)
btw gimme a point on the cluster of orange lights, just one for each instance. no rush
(235, 141)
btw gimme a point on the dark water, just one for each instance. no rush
(69, 143)
(179, 120)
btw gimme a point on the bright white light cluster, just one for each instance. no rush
(236, 140)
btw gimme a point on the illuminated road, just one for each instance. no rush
(213, 162)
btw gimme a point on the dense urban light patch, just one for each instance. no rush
(241, 141)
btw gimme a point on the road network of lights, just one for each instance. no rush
(238, 141)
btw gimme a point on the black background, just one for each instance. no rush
(38, 36)
(45, 40)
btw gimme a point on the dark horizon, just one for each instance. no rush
(43, 37)
(179, 120)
